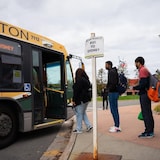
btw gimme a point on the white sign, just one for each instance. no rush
(94, 47)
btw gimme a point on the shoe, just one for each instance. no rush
(76, 131)
(146, 135)
(89, 129)
(114, 129)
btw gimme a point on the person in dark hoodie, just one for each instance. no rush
(113, 95)
(81, 98)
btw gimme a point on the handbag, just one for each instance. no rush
(140, 116)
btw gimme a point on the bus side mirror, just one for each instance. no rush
(77, 57)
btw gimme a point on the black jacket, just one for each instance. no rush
(80, 91)
(112, 80)
(142, 86)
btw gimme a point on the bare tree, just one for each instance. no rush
(101, 80)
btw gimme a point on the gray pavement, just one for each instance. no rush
(125, 143)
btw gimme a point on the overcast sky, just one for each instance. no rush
(130, 28)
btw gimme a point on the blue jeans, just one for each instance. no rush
(113, 101)
(80, 112)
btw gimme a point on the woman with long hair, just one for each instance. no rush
(81, 98)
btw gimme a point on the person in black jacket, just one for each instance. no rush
(81, 97)
(104, 95)
(113, 95)
(145, 102)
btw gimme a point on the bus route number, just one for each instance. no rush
(34, 38)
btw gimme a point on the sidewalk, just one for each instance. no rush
(125, 143)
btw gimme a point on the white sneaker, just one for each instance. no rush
(112, 127)
(89, 128)
(76, 131)
(115, 129)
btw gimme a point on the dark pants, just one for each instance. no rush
(147, 113)
(105, 100)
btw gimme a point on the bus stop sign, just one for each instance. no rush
(94, 47)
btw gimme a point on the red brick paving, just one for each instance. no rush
(130, 125)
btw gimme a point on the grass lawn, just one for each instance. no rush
(129, 97)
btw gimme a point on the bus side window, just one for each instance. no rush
(7, 76)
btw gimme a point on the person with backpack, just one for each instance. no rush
(145, 102)
(81, 98)
(113, 94)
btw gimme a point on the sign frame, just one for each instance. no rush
(94, 47)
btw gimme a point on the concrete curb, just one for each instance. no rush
(63, 143)
(66, 154)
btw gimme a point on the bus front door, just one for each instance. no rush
(56, 100)
(38, 94)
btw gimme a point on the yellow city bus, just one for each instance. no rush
(35, 82)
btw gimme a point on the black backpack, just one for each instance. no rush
(122, 84)
(89, 92)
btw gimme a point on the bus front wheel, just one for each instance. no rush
(8, 126)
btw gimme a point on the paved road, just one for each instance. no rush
(121, 103)
(31, 145)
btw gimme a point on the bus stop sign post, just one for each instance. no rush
(95, 139)
(94, 48)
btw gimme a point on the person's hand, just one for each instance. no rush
(73, 103)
